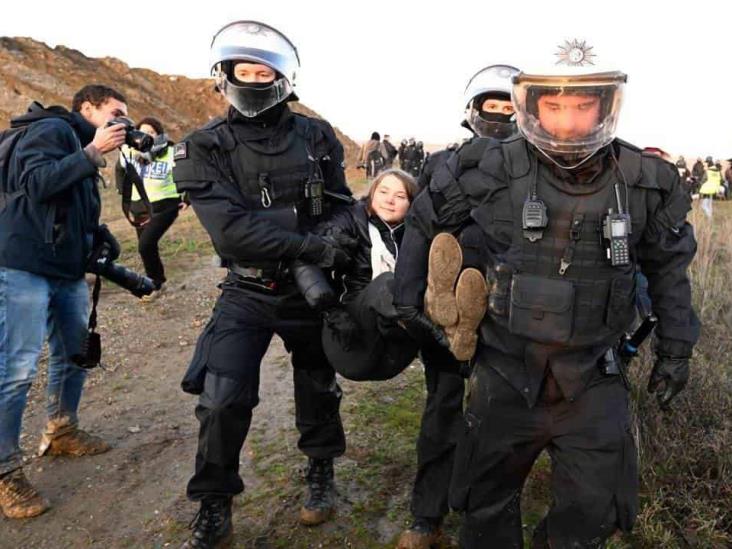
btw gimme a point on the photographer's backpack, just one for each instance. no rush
(8, 140)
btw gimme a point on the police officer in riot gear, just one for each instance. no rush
(488, 113)
(568, 215)
(256, 180)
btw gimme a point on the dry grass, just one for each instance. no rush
(686, 457)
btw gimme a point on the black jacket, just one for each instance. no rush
(430, 165)
(353, 222)
(479, 175)
(48, 230)
(240, 229)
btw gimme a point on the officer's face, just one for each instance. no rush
(390, 201)
(569, 116)
(497, 106)
(253, 73)
(98, 116)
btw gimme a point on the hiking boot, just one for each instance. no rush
(155, 295)
(320, 504)
(18, 498)
(61, 439)
(211, 526)
(471, 295)
(422, 534)
(444, 264)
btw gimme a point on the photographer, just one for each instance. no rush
(153, 214)
(49, 222)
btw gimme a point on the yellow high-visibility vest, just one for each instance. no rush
(713, 184)
(157, 176)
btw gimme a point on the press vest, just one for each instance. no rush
(157, 176)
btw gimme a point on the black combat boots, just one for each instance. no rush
(211, 526)
(320, 504)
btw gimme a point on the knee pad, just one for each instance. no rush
(221, 392)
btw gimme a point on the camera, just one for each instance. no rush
(102, 263)
(133, 137)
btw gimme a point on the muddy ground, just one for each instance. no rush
(134, 495)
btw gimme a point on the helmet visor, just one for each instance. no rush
(574, 116)
(251, 100)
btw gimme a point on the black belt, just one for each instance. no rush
(261, 279)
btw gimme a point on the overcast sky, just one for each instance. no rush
(401, 67)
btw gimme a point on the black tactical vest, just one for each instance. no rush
(564, 291)
(277, 176)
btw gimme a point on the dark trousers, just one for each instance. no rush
(230, 352)
(440, 430)
(148, 236)
(383, 349)
(594, 477)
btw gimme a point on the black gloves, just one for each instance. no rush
(321, 252)
(670, 375)
(344, 327)
(419, 327)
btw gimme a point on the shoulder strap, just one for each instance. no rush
(131, 177)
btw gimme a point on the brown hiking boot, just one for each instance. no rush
(424, 533)
(445, 262)
(471, 295)
(18, 498)
(60, 439)
(320, 505)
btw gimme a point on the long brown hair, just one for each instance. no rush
(410, 185)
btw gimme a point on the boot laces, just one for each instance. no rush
(209, 516)
(319, 476)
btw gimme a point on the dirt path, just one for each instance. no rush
(116, 499)
(134, 496)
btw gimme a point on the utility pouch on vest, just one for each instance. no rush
(621, 303)
(542, 309)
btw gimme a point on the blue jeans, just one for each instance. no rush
(31, 307)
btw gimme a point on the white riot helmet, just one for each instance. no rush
(574, 71)
(494, 82)
(253, 42)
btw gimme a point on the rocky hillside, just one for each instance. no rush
(31, 70)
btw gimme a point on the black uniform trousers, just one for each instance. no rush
(165, 213)
(594, 476)
(440, 430)
(231, 349)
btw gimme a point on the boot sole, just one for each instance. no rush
(444, 264)
(471, 296)
(314, 518)
(76, 453)
(415, 540)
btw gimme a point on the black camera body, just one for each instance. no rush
(134, 138)
(101, 263)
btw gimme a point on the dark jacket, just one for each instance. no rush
(353, 223)
(48, 230)
(430, 165)
(208, 166)
(477, 186)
